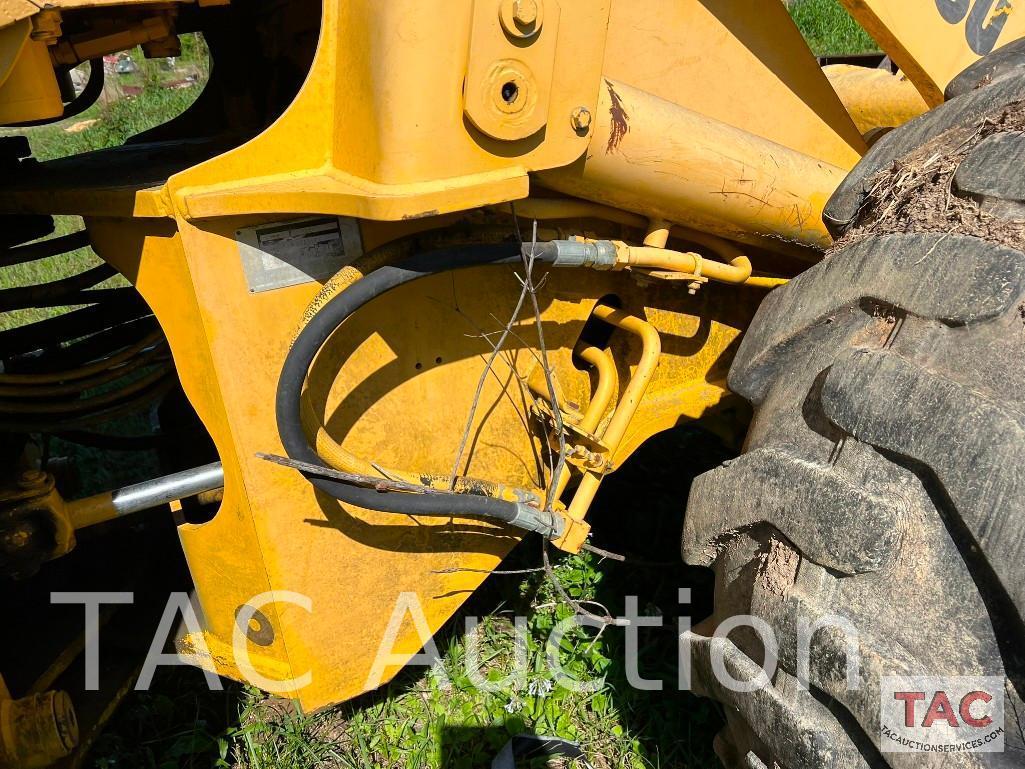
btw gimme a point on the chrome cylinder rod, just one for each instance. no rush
(161, 491)
(144, 496)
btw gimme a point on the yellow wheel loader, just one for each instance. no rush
(409, 279)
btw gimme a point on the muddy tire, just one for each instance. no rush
(883, 480)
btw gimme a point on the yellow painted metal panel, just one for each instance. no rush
(411, 363)
(741, 62)
(935, 40)
(12, 41)
(379, 128)
(28, 88)
(15, 10)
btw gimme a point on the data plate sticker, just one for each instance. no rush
(300, 251)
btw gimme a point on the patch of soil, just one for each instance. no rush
(917, 194)
(80, 126)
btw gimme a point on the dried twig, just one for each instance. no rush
(366, 481)
(576, 605)
(604, 553)
(560, 428)
(529, 289)
(384, 472)
(460, 570)
(496, 351)
(510, 362)
(631, 560)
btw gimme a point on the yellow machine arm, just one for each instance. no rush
(933, 40)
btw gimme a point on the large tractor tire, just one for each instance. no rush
(883, 480)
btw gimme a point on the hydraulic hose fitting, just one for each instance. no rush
(598, 255)
(547, 523)
(617, 255)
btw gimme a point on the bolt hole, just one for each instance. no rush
(510, 91)
(418, 366)
(438, 360)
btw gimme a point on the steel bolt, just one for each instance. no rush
(580, 118)
(46, 26)
(525, 12)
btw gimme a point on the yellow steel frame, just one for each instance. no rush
(711, 114)
(353, 563)
(12, 11)
(392, 140)
(28, 90)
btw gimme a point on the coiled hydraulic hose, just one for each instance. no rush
(72, 371)
(315, 335)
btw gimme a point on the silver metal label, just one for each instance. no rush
(284, 254)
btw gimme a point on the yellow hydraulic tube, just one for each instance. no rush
(565, 208)
(83, 371)
(646, 257)
(91, 511)
(576, 531)
(651, 349)
(570, 208)
(147, 495)
(658, 233)
(604, 390)
(334, 455)
(875, 98)
(766, 282)
(728, 251)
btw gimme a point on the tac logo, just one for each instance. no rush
(936, 714)
(984, 20)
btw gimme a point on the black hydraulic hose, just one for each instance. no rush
(313, 337)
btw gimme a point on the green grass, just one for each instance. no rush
(417, 721)
(118, 120)
(829, 29)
